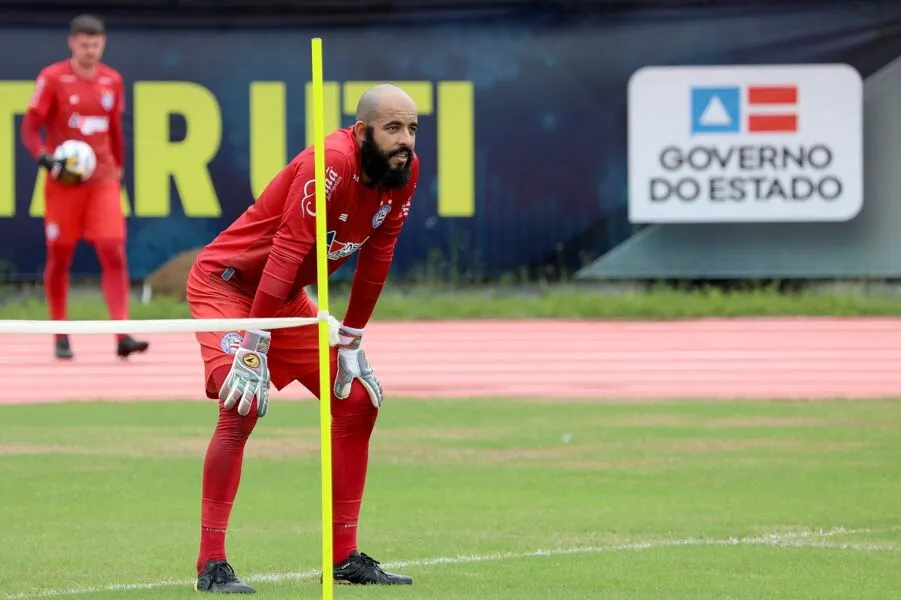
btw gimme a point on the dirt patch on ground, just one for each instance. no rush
(118, 450)
(257, 447)
(169, 447)
(732, 422)
(18, 449)
(615, 465)
(519, 456)
(613, 400)
(282, 448)
(442, 433)
(732, 445)
(691, 421)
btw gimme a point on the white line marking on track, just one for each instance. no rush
(802, 539)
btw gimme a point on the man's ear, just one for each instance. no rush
(360, 131)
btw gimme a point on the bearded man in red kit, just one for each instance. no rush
(258, 268)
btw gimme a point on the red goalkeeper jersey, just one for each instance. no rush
(72, 108)
(269, 252)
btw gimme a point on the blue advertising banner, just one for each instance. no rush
(522, 138)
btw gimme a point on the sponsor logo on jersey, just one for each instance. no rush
(338, 249)
(308, 203)
(332, 179)
(89, 125)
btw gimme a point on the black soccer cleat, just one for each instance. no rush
(128, 345)
(362, 569)
(61, 348)
(219, 577)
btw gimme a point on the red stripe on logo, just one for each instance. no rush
(760, 94)
(772, 123)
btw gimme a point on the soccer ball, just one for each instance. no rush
(80, 160)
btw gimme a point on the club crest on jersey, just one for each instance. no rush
(338, 250)
(107, 100)
(230, 342)
(379, 217)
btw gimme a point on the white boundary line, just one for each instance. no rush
(804, 539)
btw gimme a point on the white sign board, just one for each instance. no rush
(745, 144)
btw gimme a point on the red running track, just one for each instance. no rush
(757, 358)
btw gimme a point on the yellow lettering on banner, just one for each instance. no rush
(126, 205)
(156, 158)
(36, 208)
(420, 91)
(14, 98)
(331, 116)
(456, 149)
(267, 133)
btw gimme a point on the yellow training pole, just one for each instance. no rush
(325, 392)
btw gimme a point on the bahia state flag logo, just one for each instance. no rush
(759, 108)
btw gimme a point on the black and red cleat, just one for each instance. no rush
(219, 577)
(128, 345)
(61, 348)
(362, 569)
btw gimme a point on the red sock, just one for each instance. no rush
(56, 279)
(353, 420)
(212, 544)
(221, 476)
(114, 278)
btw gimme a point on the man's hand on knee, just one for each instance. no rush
(249, 375)
(353, 364)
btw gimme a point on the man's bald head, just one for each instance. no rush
(387, 122)
(382, 99)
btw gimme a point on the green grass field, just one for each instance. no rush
(482, 499)
(557, 302)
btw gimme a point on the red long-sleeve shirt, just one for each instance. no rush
(69, 107)
(269, 252)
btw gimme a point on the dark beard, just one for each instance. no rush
(377, 168)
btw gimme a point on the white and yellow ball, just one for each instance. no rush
(80, 160)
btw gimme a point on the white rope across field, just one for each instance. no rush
(160, 325)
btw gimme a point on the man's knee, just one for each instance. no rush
(59, 256)
(110, 254)
(232, 424)
(355, 415)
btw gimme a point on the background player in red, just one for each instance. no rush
(81, 98)
(259, 267)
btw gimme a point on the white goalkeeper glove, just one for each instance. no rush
(249, 375)
(352, 364)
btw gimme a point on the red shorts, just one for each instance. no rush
(293, 352)
(93, 212)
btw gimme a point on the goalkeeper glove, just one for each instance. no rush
(249, 375)
(57, 168)
(352, 364)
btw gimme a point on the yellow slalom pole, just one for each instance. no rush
(325, 392)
